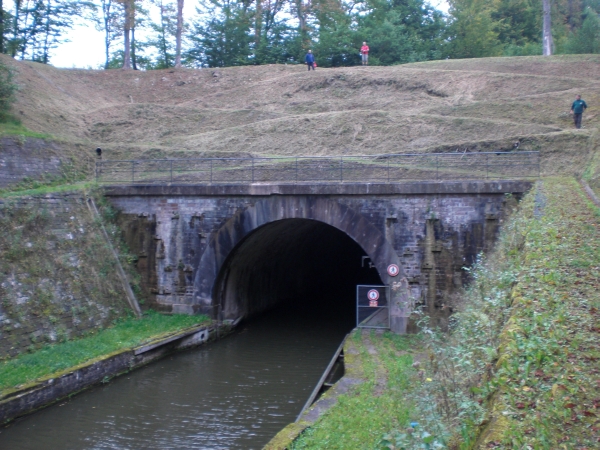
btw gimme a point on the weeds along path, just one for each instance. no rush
(547, 376)
(361, 417)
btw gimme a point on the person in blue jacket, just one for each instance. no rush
(577, 109)
(310, 60)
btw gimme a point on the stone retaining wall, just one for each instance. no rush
(28, 158)
(57, 276)
(51, 390)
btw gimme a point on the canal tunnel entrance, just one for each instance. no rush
(301, 265)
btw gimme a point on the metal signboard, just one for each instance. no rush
(372, 306)
(393, 270)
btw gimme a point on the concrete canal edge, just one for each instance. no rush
(44, 392)
(353, 376)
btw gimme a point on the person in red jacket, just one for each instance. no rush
(364, 51)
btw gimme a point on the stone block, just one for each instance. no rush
(182, 309)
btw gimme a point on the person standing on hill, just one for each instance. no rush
(577, 109)
(310, 60)
(364, 51)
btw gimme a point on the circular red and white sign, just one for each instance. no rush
(393, 270)
(373, 294)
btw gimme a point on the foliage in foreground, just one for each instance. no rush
(124, 334)
(520, 367)
(7, 91)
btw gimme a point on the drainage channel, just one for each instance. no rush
(236, 393)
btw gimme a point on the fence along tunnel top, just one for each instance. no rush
(325, 169)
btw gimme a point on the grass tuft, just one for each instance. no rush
(125, 334)
(362, 416)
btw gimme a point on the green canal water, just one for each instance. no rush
(236, 393)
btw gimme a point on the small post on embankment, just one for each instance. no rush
(133, 303)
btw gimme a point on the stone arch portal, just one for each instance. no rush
(284, 216)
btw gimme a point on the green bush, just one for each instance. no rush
(7, 91)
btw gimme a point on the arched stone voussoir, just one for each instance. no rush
(275, 208)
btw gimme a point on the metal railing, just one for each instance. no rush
(323, 169)
(372, 306)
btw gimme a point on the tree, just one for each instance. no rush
(303, 10)
(178, 33)
(108, 22)
(473, 31)
(400, 31)
(518, 22)
(7, 90)
(587, 38)
(547, 42)
(222, 35)
(39, 25)
(1, 27)
(164, 34)
(128, 24)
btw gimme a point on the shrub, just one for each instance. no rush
(7, 90)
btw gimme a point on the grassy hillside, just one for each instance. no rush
(282, 110)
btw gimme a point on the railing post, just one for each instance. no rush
(388, 169)
(296, 182)
(487, 166)
(132, 171)
(171, 171)
(211, 170)
(437, 167)
(341, 169)
(253, 169)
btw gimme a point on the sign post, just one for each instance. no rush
(372, 306)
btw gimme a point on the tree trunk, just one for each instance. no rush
(301, 14)
(127, 50)
(1, 27)
(23, 40)
(16, 28)
(547, 30)
(257, 25)
(133, 60)
(179, 33)
(47, 32)
(163, 36)
(126, 34)
(106, 5)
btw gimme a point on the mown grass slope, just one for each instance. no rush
(283, 110)
(546, 382)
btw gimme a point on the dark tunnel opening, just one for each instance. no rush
(301, 266)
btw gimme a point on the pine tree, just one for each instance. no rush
(587, 38)
(473, 30)
(222, 35)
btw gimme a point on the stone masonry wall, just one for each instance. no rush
(57, 277)
(435, 236)
(28, 158)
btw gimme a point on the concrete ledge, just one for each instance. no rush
(591, 194)
(45, 392)
(408, 188)
(353, 376)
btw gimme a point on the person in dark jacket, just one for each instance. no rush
(310, 60)
(577, 109)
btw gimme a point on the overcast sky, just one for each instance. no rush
(85, 48)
